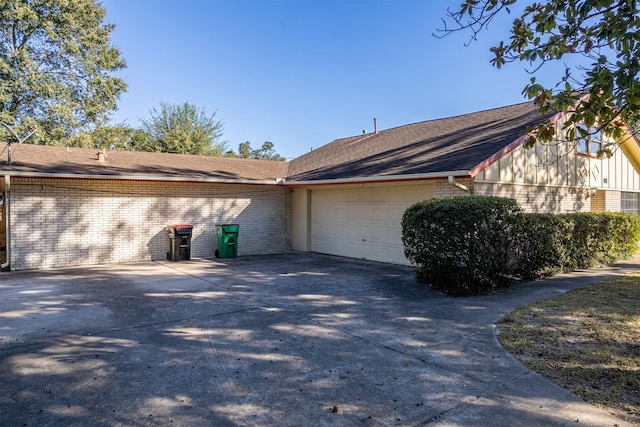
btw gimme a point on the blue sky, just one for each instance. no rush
(301, 73)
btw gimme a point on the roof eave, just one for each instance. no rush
(275, 181)
(381, 179)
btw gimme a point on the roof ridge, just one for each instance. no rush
(473, 113)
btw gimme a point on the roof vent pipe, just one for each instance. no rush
(100, 156)
(375, 125)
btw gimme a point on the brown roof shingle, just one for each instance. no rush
(431, 147)
(82, 162)
(435, 146)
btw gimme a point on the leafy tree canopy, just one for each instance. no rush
(266, 152)
(182, 129)
(604, 91)
(117, 137)
(56, 67)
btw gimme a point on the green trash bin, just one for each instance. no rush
(227, 240)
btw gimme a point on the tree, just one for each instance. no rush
(56, 67)
(118, 137)
(183, 129)
(266, 152)
(244, 150)
(603, 91)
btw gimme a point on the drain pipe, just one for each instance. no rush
(453, 182)
(7, 197)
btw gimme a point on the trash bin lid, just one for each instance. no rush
(180, 226)
(233, 228)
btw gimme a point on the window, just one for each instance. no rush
(629, 202)
(589, 140)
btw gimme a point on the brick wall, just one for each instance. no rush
(598, 201)
(444, 189)
(612, 201)
(64, 222)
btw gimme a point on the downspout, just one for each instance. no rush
(7, 204)
(453, 182)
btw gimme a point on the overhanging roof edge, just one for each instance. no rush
(275, 181)
(385, 178)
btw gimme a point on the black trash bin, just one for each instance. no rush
(179, 242)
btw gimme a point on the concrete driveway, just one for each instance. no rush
(288, 340)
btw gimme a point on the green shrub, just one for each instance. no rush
(474, 245)
(462, 245)
(542, 246)
(601, 238)
(559, 243)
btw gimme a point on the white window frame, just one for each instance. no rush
(591, 143)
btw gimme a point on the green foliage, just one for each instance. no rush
(462, 245)
(581, 240)
(119, 137)
(475, 245)
(266, 152)
(56, 67)
(603, 34)
(182, 129)
(543, 246)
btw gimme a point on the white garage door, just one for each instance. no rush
(363, 222)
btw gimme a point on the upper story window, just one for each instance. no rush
(589, 140)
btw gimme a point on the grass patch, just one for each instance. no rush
(587, 341)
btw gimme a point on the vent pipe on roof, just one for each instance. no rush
(375, 125)
(100, 156)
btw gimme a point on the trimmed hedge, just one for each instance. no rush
(462, 245)
(473, 245)
(560, 243)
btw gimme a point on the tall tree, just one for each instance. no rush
(183, 129)
(603, 91)
(56, 67)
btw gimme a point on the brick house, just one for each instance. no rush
(68, 207)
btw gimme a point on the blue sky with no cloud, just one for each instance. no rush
(300, 73)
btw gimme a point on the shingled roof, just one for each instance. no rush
(455, 144)
(40, 160)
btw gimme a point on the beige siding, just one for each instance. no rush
(58, 223)
(544, 199)
(619, 174)
(550, 165)
(552, 178)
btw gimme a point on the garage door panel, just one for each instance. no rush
(363, 222)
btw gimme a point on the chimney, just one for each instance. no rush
(375, 125)
(100, 155)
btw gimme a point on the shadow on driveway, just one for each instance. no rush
(290, 340)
